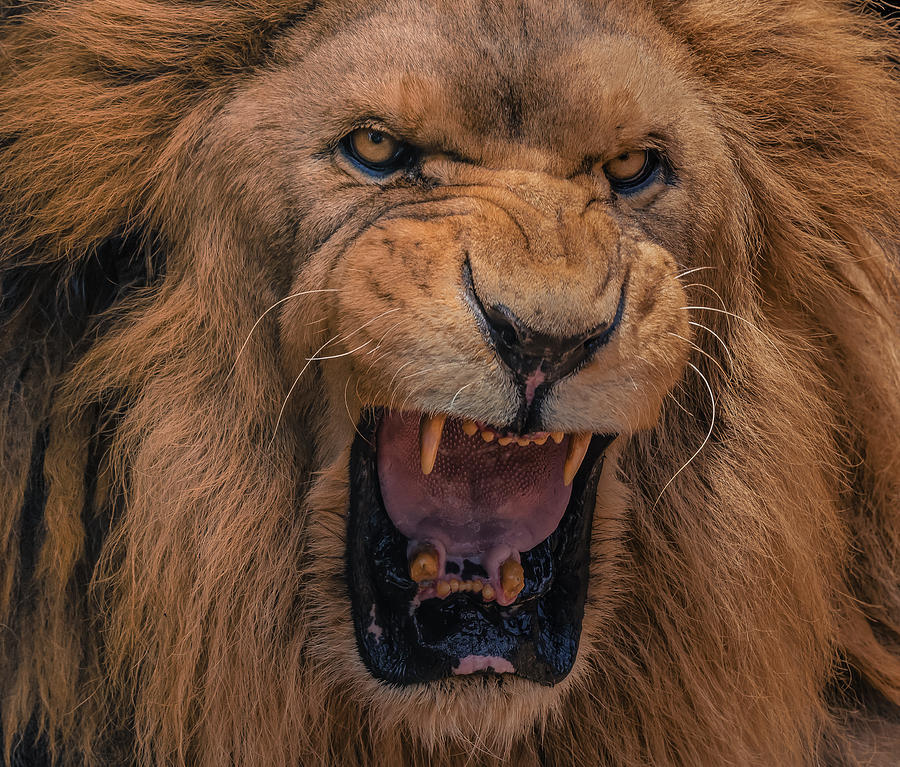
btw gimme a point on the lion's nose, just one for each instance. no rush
(526, 351)
(536, 358)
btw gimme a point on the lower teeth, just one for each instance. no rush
(425, 564)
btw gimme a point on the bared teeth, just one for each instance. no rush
(442, 588)
(542, 439)
(424, 565)
(578, 447)
(557, 437)
(512, 578)
(487, 435)
(505, 441)
(470, 428)
(430, 440)
(487, 592)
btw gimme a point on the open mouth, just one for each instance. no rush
(468, 548)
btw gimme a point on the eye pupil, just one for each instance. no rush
(375, 137)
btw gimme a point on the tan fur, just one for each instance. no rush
(181, 598)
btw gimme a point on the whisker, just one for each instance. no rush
(710, 289)
(315, 357)
(692, 271)
(273, 306)
(293, 386)
(347, 405)
(747, 322)
(363, 345)
(366, 324)
(718, 338)
(712, 423)
(391, 388)
(703, 352)
(461, 388)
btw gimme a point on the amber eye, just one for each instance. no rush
(631, 170)
(376, 151)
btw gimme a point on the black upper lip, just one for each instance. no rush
(538, 634)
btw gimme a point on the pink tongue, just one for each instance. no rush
(480, 495)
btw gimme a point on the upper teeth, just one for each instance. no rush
(432, 429)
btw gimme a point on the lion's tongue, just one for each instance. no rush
(481, 497)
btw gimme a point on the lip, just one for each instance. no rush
(402, 640)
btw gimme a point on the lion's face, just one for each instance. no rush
(483, 302)
(489, 292)
(490, 295)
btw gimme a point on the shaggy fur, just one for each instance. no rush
(171, 581)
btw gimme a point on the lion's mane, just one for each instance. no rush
(171, 623)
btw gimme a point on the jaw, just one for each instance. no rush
(413, 632)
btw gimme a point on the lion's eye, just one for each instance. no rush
(376, 151)
(631, 170)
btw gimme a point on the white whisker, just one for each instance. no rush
(363, 345)
(712, 423)
(273, 306)
(692, 271)
(390, 385)
(347, 404)
(703, 352)
(718, 338)
(747, 322)
(294, 386)
(461, 388)
(682, 407)
(711, 290)
(315, 358)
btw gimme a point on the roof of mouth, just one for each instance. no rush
(479, 495)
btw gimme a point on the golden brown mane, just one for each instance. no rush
(191, 620)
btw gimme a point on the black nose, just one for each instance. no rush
(525, 351)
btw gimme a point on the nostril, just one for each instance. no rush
(509, 336)
(504, 326)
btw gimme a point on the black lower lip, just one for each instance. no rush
(538, 635)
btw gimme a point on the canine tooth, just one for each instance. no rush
(505, 441)
(487, 435)
(487, 592)
(557, 436)
(512, 578)
(578, 447)
(442, 588)
(432, 429)
(470, 428)
(424, 565)
(454, 585)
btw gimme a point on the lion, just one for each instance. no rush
(409, 382)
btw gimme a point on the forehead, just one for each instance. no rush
(461, 75)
